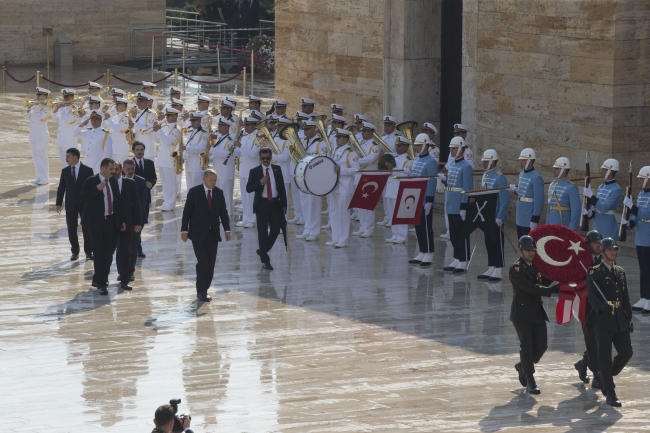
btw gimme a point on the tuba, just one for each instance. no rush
(296, 149)
(266, 140)
(320, 121)
(178, 156)
(382, 144)
(354, 142)
(408, 129)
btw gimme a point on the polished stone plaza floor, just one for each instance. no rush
(346, 340)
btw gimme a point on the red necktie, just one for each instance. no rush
(109, 197)
(269, 190)
(74, 176)
(210, 200)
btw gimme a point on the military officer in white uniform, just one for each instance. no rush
(225, 112)
(223, 156)
(389, 137)
(112, 110)
(281, 109)
(249, 159)
(367, 217)
(296, 194)
(144, 120)
(347, 163)
(431, 131)
(93, 89)
(39, 137)
(148, 88)
(67, 119)
(94, 102)
(405, 163)
(203, 107)
(95, 140)
(171, 140)
(312, 205)
(283, 159)
(197, 142)
(118, 125)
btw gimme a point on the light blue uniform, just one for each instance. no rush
(641, 219)
(530, 198)
(493, 178)
(427, 166)
(564, 205)
(459, 178)
(606, 200)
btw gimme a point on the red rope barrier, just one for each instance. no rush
(211, 82)
(20, 81)
(140, 83)
(72, 85)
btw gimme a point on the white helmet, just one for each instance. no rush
(422, 139)
(611, 165)
(491, 156)
(562, 163)
(457, 142)
(528, 154)
(644, 174)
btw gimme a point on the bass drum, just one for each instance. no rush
(314, 174)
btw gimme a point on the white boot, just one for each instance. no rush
(417, 259)
(646, 309)
(487, 274)
(460, 267)
(639, 305)
(496, 275)
(451, 266)
(427, 260)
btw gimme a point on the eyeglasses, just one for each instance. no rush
(265, 158)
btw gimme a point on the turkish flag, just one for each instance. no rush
(368, 191)
(409, 202)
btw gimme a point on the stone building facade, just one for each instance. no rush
(99, 29)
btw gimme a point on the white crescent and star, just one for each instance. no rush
(541, 244)
(375, 186)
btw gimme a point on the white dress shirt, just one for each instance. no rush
(274, 189)
(102, 179)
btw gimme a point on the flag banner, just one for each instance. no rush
(410, 201)
(368, 192)
(481, 214)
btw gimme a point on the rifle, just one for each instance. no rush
(622, 228)
(584, 219)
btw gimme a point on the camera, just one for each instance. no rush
(178, 420)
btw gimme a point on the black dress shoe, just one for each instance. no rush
(531, 386)
(425, 264)
(142, 255)
(448, 268)
(522, 376)
(74, 256)
(89, 257)
(132, 277)
(103, 291)
(612, 400)
(595, 382)
(415, 262)
(645, 312)
(459, 271)
(204, 298)
(483, 277)
(582, 371)
(125, 286)
(494, 279)
(267, 266)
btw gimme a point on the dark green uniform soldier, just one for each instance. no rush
(527, 312)
(611, 317)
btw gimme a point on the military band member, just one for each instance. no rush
(258, 115)
(254, 103)
(460, 130)
(425, 165)
(611, 316)
(312, 205)
(530, 194)
(249, 159)
(170, 138)
(223, 156)
(369, 162)
(281, 110)
(347, 163)
(67, 119)
(527, 312)
(358, 124)
(337, 111)
(112, 110)
(431, 131)
(174, 92)
(197, 142)
(95, 140)
(641, 221)
(225, 112)
(148, 88)
(338, 122)
(307, 107)
(563, 197)
(144, 120)
(183, 121)
(283, 159)
(118, 125)
(389, 137)
(493, 178)
(203, 106)
(93, 102)
(93, 89)
(404, 163)
(606, 200)
(296, 195)
(237, 118)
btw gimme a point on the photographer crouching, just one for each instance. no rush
(167, 421)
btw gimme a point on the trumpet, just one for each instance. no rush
(72, 102)
(320, 121)
(27, 104)
(266, 140)
(296, 149)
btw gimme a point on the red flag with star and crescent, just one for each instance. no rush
(368, 192)
(409, 202)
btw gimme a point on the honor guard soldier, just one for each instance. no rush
(493, 178)
(223, 156)
(66, 117)
(118, 125)
(39, 137)
(459, 178)
(347, 163)
(530, 193)
(563, 197)
(281, 109)
(431, 131)
(404, 163)
(369, 162)
(460, 130)
(425, 165)
(641, 221)
(171, 140)
(307, 107)
(144, 120)
(312, 205)
(527, 312)
(607, 199)
(590, 356)
(95, 140)
(283, 159)
(611, 317)
(250, 154)
(197, 142)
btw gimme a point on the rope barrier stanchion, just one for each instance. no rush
(38, 78)
(153, 41)
(4, 77)
(244, 86)
(219, 60)
(108, 78)
(176, 77)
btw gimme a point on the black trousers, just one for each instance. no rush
(494, 249)
(533, 342)
(145, 217)
(123, 255)
(269, 217)
(458, 241)
(522, 231)
(135, 244)
(104, 241)
(623, 345)
(643, 254)
(206, 257)
(590, 356)
(72, 221)
(424, 232)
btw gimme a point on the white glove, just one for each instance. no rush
(624, 221)
(462, 214)
(513, 187)
(442, 177)
(427, 208)
(499, 222)
(533, 225)
(628, 202)
(587, 192)
(553, 284)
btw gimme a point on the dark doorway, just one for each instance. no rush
(451, 86)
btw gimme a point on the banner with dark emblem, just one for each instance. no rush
(481, 213)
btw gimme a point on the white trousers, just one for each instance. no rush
(227, 186)
(179, 181)
(388, 213)
(168, 181)
(367, 220)
(39, 157)
(297, 204)
(287, 188)
(62, 152)
(340, 217)
(399, 231)
(312, 205)
(192, 179)
(246, 201)
(120, 157)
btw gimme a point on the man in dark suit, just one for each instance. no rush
(141, 187)
(131, 217)
(72, 179)
(205, 209)
(269, 203)
(144, 168)
(101, 214)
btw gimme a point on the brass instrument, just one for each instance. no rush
(204, 159)
(322, 131)
(178, 157)
(354, 142)
(267, 140)
(382, 144)
(130, 136)
(296, 149)
(73, 101)
(27, 104)
(408, 129)
(210, 139)
(225, 161)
